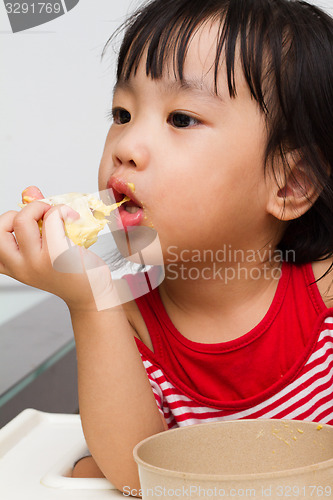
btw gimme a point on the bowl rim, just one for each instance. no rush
(284, 473)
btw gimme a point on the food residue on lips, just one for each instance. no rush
(83, 231)
(131, 185)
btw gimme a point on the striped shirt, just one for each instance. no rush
(296, 383)
(308, 397)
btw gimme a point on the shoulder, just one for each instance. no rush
(125, 287)
(325, 284)
(137, 322)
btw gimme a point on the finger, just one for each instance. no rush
(27, 230)
(64, 254)
(31, 193)
(8, 246)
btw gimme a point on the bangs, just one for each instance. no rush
(163, 31)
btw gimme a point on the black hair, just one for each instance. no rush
(286, 50)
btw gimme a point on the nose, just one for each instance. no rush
(131, 147)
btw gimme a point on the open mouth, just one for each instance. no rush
(130, 205)
(130, 212)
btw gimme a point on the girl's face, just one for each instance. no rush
(196, 159)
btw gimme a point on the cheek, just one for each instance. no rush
(105, 166)
(102, 176)
(105, 169)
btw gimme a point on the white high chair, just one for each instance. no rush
(37, 452)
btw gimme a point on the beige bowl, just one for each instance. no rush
(270, 459)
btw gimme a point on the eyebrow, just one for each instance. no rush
(193, 85)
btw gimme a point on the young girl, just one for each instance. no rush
(222, 119)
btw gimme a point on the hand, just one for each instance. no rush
(51, 261)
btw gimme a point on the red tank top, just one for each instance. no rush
(256, 365)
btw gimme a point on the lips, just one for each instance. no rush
(131, 212)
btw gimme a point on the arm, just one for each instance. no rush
(86, 467)
(117, 405)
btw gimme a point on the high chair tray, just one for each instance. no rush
(37, 453)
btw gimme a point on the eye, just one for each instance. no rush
(121, 116)
(182, 120)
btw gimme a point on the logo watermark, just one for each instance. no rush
(267, 491)
(120, 266)
(136, 257)
(27, 14)
(226, 263)
(192, 491)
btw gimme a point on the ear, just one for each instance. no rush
(291, 193)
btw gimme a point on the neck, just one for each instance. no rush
(221, 290)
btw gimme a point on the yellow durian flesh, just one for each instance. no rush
(83, 231)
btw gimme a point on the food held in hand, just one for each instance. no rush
(93, 213)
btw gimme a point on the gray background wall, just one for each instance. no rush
(54, 96)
